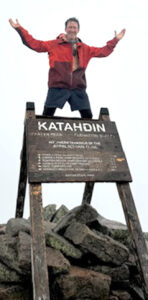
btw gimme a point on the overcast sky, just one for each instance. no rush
(118, 82)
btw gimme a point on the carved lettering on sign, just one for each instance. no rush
(75, 150)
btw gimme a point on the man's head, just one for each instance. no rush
(72, 28)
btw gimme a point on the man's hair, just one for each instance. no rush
(72, 20)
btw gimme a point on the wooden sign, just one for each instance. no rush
(73, 150)
(66, 150)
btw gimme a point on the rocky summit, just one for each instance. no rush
(88, 257)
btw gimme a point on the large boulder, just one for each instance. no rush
(49, 211)
(55, 258)
(58, 242)
(56, 261)
(88, 257)
(15, 225)
(8, 253)
(60, 213)
(84, 214)
(24, 251)
(104, 248)
(8, 275)
(83, 284)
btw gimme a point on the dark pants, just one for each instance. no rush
(50, 111)
(77, 99)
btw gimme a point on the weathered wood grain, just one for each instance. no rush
(135, 230)
(133, 224)
(38, 248)
(74, 151)
(30, 113)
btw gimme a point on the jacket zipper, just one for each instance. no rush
(71, 75)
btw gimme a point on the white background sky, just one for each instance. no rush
(118, 82)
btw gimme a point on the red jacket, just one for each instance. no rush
(61, 59)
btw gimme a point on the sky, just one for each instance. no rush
(118, 82)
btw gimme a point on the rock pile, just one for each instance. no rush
(88, 257)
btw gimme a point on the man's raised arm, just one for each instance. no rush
(28, 40)
(108, 49)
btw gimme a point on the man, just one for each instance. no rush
(68, 59)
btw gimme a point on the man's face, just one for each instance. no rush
(72, 30)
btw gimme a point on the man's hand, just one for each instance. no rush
(13, 24)
(120, 35)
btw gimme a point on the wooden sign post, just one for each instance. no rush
(73, 150)
(38, 248)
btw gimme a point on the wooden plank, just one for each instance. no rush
(88, 191)
(135, 230)
(30, 113)
(38, 253)
(22, 182)
(38, 246)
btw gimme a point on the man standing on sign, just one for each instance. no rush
(68, 59)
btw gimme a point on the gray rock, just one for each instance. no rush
(122, 295)
(60, 213)
(146, 239)
(8, 275)
(49, 211)
(57, 261)
(83, 284)
(15, 291)
(116, 273)
(86, 238)
(110, 224)
(84, 214)
(103, 247)
(57, 242)
(24, 251)
(122, 236)
(55, 258)
(2, 228)
(116, 230)
(15, 225)
(48, 226)
(8, 255)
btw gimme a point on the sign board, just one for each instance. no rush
(74, 150)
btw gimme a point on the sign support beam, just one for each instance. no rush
(135, 230)
(38, 247)
(30, 112)
(88, 191)
(133, 224)
(22, 182)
